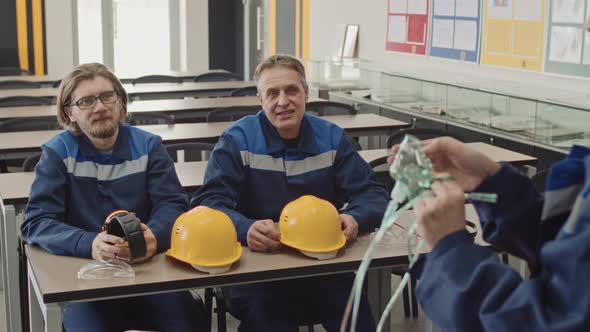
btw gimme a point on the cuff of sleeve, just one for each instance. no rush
(449, 242)
(502, 182)
(242, 229)
(84, 247)
(163, 237)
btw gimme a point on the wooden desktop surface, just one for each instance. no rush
(32, 140)
(145, 106)
(14, 187)
(139, 89)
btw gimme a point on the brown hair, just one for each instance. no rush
(281, 60)
(69, 83)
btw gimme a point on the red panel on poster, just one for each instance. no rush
(407, 26)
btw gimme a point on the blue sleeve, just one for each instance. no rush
(224, 176)
(464, 287)
(367, 198)
(513, 223)
(45, 221)
(168, 199)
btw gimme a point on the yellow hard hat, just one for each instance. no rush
(205, 237)
(312, 225)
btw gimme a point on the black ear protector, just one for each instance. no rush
(127, 226)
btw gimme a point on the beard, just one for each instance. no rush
(104, 129)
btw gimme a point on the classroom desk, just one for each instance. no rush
(48, 81)
(152, 90)
(180, 108)
(20, 144)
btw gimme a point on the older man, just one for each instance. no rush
(97, 166)
(263, 162)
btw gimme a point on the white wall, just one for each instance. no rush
(59, 35)
(327, 20)
(197, 34)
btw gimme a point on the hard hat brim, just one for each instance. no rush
(337, 246)
(229, 261)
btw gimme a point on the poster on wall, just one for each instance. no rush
(455, 29)
(513, 33)
(407, 26)
(568, 41)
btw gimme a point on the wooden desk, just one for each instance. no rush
(53, 279)
(124, 77)
(180, 108)
(14, 144)
(152, 90)
(14, 187)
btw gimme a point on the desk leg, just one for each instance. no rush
(9, 249)
(379, 291)
(42, 317)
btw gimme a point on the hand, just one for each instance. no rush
(467, 166)
(104, 247)
(263, 236)
(440, 212)
(151, 244)
(349, 226)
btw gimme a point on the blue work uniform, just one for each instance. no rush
(76, 187)
(253, 173)
(464, 287)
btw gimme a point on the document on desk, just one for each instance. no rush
(442, 33)
(467, 8)
(444, 7)
(566, 44)
(397, 29)
(500, 9)
(465, 35)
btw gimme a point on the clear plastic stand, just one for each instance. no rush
(104, 270)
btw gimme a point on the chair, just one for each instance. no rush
(420, 133)
(17, 84)
(138, 119)
(231, 113)
(13, 71)
(539, 180)
(30, 163)
(323, 108)
(29, 124)
(193, 151)
(217, 76)
(56, 84)
(25, 101)
(247, 91)
(156, 79)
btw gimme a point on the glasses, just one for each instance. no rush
(86, 103)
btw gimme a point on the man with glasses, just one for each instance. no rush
(97, 166)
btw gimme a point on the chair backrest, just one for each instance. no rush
(17, 84)
(231, 113)
(420, 133)
(29, 124)
(247, 91)
(217, 76)
(539, 180)
(15, 101)
(354, 142)
(190, 151)
(137, 119)
(381, 170)
(31, 161)
(56, 84)
(13, 71)
(323, 108)
(156, 79)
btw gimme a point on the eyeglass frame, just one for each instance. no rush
(95, 98)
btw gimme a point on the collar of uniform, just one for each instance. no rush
(275, 143)
(120, 149)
